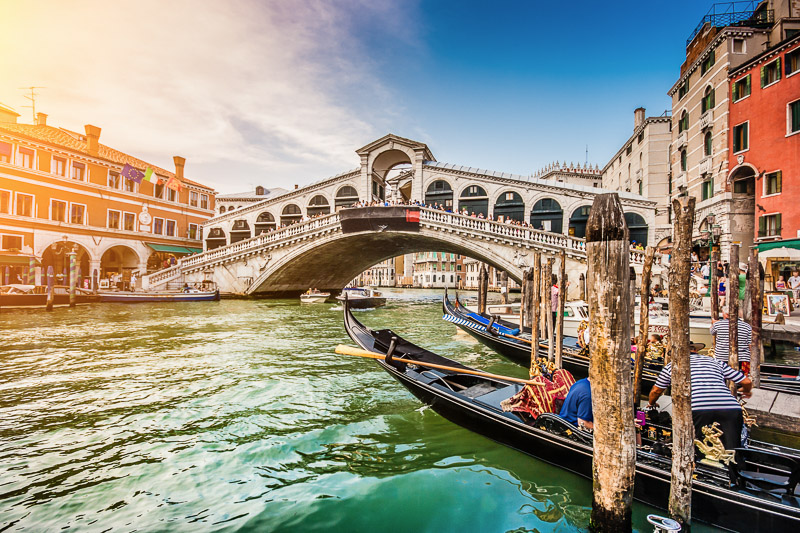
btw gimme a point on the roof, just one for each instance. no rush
(251, 195)
(76, 142)
(391, 137)
(6, 109)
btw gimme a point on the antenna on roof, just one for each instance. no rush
(32, 98)
(586, 162)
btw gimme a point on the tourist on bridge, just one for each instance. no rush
(720, 330)
(712, 401)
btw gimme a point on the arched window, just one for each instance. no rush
(291, 214)
(577, 222)
(708, 99)
(475, 200)
(318, 206)
(439, 192)
(216, 238)
(510, 205)
(221, 209)
(683, 160)
(345, 197)
(637, 228)
(240, 231)
(707, 143)
(683, 124)
(265, 223)
(547, 215)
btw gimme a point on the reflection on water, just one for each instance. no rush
(238, 416)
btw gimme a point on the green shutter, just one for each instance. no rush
(795, 107)
(778, 184)
(763, 76)
(762, 226)
(778, 69)
(747, 86)
(778, 224)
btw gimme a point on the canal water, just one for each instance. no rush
(237, 416)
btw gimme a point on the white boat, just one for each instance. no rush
(362, 297)
(314, 297)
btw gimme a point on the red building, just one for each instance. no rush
(764, 146)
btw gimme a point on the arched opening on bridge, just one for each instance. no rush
(510, 205)
(381, 168)
(318, 206)
(215, 239)
(116, 266)
(265, 223)
(346, 196)
(240, 231)
(440, 192)
(475, 200)
(637, 228)
(577, 222)
(547, 215)
(57, 256)
(221, 209)
(291, 214)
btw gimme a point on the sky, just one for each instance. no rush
(283, 92)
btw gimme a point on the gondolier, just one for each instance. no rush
(720, 330)
(711, 399)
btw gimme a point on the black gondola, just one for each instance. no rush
(780, 378)
(474, 403)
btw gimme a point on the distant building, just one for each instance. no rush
(438, 270)
(586, 175)
(764, 147)
(725, 39)
(641, 166)
(62, 190)
(230, 202)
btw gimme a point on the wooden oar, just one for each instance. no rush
(358, 352)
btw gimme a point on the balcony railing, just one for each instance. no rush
(683, 139)
(707, 119)
(705, 166)
(734, 14)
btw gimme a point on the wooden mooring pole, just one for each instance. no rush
(756, 301)
(504, 286)
(535, 306)
(562, 300)
(483, 288)
(680, 494)
(644, 323)
(733, 311)
(714, 284)
(548, 296)
(608, 257)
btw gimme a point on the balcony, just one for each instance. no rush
(705, 166)
(707, 119)
(683, 139)
(734, 14)
(638, 175)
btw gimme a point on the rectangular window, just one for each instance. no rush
(58, 210)
(78, 171)
(130, 185)
(193, 231)
(708, 62)
(739, 46)
(5, 152)
(25, 157)
(628, 150)
(114, 219)
(5, 202)
(740, 138)
(793, 112)
(129, 221)
(771, 73)
(24, 205)
(59, 166)
(113, 179)
(171, 225)
(769, 225)
(741, 88)
(158, 226)
(708, 189)
(792, 60)
(158, 190)
(640, 138)
(172, 195)
(11, 242)
(193, 198)
(772, 183)
(77, 214)
(204, 201)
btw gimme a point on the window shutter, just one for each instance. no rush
(778, 224)
(747, 85)
(778, 68)
(762, 226)
(711, 99)
(778, 182)
(763, 76)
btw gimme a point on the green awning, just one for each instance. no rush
(16, 259)
(791, 243)
(173, 249)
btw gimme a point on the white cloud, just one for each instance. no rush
(273, 88)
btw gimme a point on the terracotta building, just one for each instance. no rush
(63, 191)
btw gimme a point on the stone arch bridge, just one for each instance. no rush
(294, 241)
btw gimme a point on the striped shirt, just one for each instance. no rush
(721, 332)
(709, 391)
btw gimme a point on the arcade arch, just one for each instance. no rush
(318, 205)
(265, 223)
(440, 192)
(56, 255)
(291, 214)
(510, 204)
(637, 228)
(475, 200)
(216, 238)
(240, 231)
(547, 215)
(346, 196)
(577, 221)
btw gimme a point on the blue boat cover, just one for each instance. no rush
(481, 323)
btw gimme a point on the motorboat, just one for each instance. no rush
(313, 296)
(362, 297)
(21, 296)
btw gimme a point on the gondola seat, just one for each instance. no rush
(493, 399)
(553, 423)
(765, 471)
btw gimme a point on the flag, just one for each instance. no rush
(174, 184)
(132, 174)
(150, 176)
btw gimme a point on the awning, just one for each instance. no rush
(791, 243)
(173, 249)
(16, 259)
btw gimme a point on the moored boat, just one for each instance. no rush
(313, 296)
(20, 296)
(192, 295)
(362, 297)
(732, 497)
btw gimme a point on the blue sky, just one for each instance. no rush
(278, 93)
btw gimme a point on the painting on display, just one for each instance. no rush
(778, 303)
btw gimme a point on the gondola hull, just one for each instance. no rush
(714, 502)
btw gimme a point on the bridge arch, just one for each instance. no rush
(318, 205)
(290, 214)
(439, 191)
(474, 199)
(547, 214)
(509, 204)
(637, 228)
(265, 223)
(578, 219)
(346, 195)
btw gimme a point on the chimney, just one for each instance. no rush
(41, 119)
(180, 162)
(638, 117)
(92, 139)
(296, 186)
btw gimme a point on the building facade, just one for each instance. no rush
(437, 270)
(230, 202)
(62, 191)
(642, 166)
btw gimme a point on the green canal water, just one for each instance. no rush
(238, 416)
